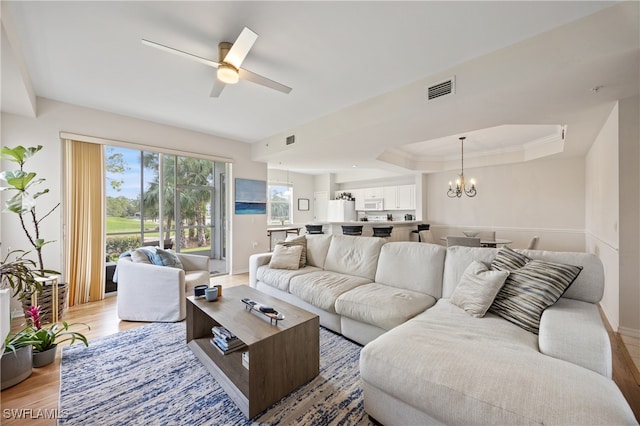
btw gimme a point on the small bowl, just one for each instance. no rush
(470, 234)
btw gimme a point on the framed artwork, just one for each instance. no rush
(303, 204)
(251, 196)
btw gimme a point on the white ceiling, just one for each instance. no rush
(358, 72)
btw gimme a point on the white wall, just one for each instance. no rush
(602, 211)
(303, 187)
(54, 117)
(542, 197)
(629, 227)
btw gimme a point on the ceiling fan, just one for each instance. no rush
(230, 58)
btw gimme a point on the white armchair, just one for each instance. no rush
(156, 293)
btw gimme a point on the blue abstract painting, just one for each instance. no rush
(251, 196)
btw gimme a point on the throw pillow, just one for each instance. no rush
(285, 257)
(297, 241)
(508, 260)
(477, 288)
(139, 256)
(530, 290)
(169, 258)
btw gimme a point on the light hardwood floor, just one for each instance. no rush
(37, 397)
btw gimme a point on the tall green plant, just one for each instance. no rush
(23, 202)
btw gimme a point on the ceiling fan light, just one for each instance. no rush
(228, 74)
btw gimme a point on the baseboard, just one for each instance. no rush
(631, 332)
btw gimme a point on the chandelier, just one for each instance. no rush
(460, 184)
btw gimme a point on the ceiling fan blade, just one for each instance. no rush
(263, 81)
(217, 88)
(205, 61)
(241, 47)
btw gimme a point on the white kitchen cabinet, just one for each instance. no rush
(400, 197)
(372, 193)
(358, 194)
(390, 194)
(406, 197)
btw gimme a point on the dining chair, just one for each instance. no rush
(425, 236)
(463, 241)
(533, 243)
(487, 235)
(382, 231)
(351, 229)
(314, 229)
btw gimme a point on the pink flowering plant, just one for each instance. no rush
(43, 338)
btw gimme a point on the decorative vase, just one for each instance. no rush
(40, 359)
(16, 366)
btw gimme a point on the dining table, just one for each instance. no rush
(286, 229)
(487, 243)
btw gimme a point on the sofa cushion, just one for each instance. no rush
(354, 255)
(382, 305)
(530, 290)
(413, 266)
(169, 258)
(285, 257)
(317, 247)
(478, 288)
(280, 278)
(294, 240)
(456, 367)
(322, 288)
(508, 260)
(138, 256)
(589, 286)
(457, 260)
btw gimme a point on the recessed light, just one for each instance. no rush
(354, 165)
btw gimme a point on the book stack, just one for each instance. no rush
(224, 340)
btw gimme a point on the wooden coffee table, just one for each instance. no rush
(282, 356)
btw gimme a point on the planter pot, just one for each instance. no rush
(40, 359)
(16, 366)
(45, 300)
(5, 313)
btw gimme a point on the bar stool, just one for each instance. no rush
(382, 231)
(421, 227)
(314, 229)
(351, 229)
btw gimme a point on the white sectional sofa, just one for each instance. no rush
(427, 361)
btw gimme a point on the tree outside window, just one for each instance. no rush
(280, 198)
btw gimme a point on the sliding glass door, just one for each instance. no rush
(165, 200)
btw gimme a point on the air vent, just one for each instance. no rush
(443, 88)
(291, 139)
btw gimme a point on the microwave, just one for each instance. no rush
(374, 204)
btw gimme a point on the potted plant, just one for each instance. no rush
(25, 186)
(17, 359)
(45, 340)
(16, 280)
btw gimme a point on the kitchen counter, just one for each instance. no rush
(401, 228)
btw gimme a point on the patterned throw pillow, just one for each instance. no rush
(297, 241)
(508, 260)
(477, 288)
(169, 258)
(530, 290)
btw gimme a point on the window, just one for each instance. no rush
(280, 197)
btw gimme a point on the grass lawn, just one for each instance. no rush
(123, 224)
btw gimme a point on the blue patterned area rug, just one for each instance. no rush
(148, 376)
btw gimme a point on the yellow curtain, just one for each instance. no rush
(84, 201)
